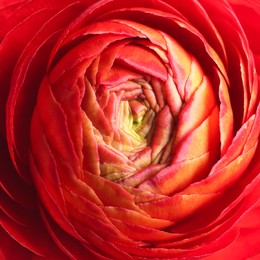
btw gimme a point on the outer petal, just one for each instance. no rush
(246, 245)
(248, 13)
(10, 249)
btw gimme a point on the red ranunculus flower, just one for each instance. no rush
(129, 129)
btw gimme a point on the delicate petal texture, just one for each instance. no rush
(129, 129)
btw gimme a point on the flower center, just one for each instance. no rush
(131, 113)
(131, 122)
(132, 135)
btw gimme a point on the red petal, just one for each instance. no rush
(151, 65)
(10, 249)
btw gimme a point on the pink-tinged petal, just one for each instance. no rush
(88, 50)
(195, 79)
(132, 55)
(94, 112)
(111, 108)
(158, 88)
(118, 75)
(172, 96)
(143, 175)
(180, 62)
(106, 63)
(129, 90)
(137, 108)
(128, 86)
(193, 113)
(143, 158)
(150, 96)
(109, 155)
(146, 32)
(179, 175)
(164, 124)
(154, 46)
(193, 145)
